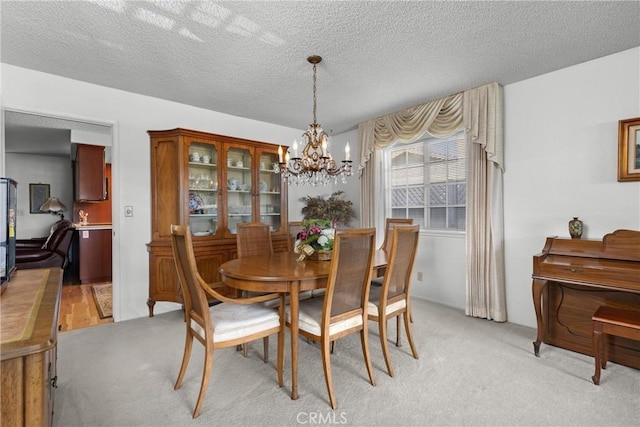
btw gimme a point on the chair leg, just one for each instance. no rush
(188, 344)
(281, 333)
(398, 334)
(382, 324)
(265, 345)
(206, 373)
(364, 339)
(326, 363)
(407, 327)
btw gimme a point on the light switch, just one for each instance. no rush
(85, 234)
(128, 211)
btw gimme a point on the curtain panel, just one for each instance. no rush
(485, 274)
(479, 110)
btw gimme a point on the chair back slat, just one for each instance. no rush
(253, 238)
(404, 244)
(390, 224)
(195, 300)
(351, 270)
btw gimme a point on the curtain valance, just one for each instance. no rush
(440, 118)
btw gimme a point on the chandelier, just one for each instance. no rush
(315, 166)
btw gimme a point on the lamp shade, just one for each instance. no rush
(53, 204)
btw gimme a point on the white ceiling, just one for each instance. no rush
(248, 58)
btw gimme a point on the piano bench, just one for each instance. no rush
(611, 321)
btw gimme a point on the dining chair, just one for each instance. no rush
(343, 310)
(253, 238)
(392, 299)
(228, 324)
(390, 224)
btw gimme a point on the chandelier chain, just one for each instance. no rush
(314, 94)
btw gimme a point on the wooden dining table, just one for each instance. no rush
(282, 272)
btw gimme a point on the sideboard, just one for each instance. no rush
(29, 332)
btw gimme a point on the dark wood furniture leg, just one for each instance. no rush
(537, 289)
(599, 346)
(611, 321)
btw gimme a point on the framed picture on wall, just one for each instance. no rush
(629, 150)
(38, 194)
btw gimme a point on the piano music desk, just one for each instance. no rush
(612, 321)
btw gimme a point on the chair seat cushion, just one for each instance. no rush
(232, 321)
(310, 318)
(374, 302)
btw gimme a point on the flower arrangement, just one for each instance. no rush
(316, 235)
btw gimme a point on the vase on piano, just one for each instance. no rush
(575, 228)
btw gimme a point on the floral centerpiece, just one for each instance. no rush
(315, 240)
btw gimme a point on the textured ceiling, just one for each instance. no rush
(248, 58)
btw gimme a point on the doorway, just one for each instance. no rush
(36, 137)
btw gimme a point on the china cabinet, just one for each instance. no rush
(210, 182)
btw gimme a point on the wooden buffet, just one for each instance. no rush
(211, 183)
(29, 324)
(572, 278)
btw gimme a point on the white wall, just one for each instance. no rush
(561, 139)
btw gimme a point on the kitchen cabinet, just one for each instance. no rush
(211, 183)
(94, 253)
(89, 173)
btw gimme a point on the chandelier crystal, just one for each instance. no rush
(315, 166)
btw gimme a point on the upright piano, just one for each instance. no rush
(573, 277)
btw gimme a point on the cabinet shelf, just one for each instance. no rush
(208, 190)
(206, 165)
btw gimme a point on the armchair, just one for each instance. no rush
(46, 252)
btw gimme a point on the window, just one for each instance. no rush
(428, 182)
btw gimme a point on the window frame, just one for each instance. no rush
(425, 142)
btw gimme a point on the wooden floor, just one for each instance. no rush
(78, 308)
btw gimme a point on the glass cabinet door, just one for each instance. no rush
(269, 191)
(239, 187)
(203, 188)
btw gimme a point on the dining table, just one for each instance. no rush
(283, 272)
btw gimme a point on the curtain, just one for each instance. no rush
(485, 282)
(366, 171)
(479, 110)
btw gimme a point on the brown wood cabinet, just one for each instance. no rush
(94, 254)
(29, 322)
(89, 173)
(210, 182)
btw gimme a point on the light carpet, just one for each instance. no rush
(102, 295)
(471, 372)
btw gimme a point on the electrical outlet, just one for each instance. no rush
(128, 211)
(419, 276)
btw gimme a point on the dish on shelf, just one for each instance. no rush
(263, 187)
(196, 204)
(203, 233)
